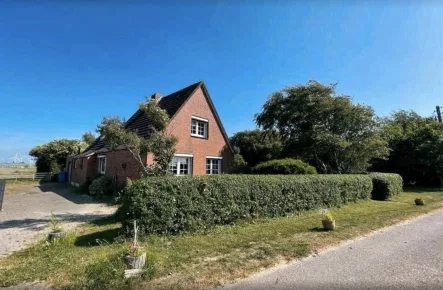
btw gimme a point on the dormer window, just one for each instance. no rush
(199, 127)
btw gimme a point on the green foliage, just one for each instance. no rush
(326, 214)
(326, 129)
(101, 186)
(239, 165)
(255, 146)
(170, 205)
(416, 145)
(386, 185)
(54, 224)
(284, 166)
(159, 143)
(158, 117)
(51, 157)
(88, 138)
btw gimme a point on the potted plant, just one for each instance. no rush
(135, 258)
(327, 220)
(419, 201)
(56, 231)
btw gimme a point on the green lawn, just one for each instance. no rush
(91, 258)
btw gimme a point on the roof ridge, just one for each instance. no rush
(185, 88)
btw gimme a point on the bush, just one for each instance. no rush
(101, 186)
(171, 205)
(386, 185)
(284, 166)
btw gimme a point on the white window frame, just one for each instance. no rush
(199, 123)
(180, 159)
(99, 164)
(213, 159)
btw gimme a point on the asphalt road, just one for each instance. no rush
(408, 256)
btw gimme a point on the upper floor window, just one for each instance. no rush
(199, 127)
(181, 165)
(213, 165)
(102, 164)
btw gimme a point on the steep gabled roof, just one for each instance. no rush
(172, 103)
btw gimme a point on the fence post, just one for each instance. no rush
(2, 192)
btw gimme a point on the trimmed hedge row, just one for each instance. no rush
(284, 166)
(171, 205)
(386, 185)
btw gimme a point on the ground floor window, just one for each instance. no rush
(181, 165)
(102, 164)
(213, 165)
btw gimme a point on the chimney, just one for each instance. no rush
(156, 97)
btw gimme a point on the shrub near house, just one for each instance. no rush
(170, 205)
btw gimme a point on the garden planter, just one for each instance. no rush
(135, 262)
(56, 235)
(419, 201)
(328, 225)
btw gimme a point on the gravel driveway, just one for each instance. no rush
(408, 256)
(27, 211)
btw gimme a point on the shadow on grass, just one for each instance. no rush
(422, 189)
(98, 238)
(105, 221)
(318, 230)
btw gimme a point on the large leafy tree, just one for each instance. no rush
(88, 138)
(255, 146)
(51, 157)
(159, 142)
(416, 145)
(323, 128)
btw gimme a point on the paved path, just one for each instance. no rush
(26, 213)
(408, 256)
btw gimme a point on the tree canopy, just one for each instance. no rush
(88, 138)
(51, 157)
(255, 146)
(325, 129)
(416, 145)
(159, 143)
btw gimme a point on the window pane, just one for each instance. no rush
(194, 127)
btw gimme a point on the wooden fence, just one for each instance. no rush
(26, 176)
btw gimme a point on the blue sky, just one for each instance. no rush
(64, 65)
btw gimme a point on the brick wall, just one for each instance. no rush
(79, 174)
(214, 145)
(120, 165)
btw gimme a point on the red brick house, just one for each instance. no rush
(202, 147)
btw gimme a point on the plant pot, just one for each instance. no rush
(328, 225)
(135, 262)
(419, 201)
(56, 235)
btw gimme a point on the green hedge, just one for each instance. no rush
(170, 205)
(284, 166)
(386, 185)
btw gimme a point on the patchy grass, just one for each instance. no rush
(92, 259)
(13, 186)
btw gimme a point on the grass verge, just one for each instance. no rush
(15, 186)
(92, 258)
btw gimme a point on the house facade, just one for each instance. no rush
(202, 147)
